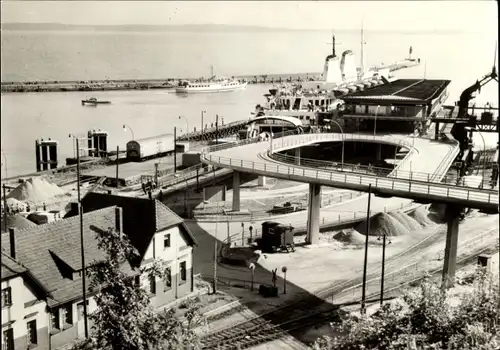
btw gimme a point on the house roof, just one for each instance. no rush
(142, 217)
(411, 90)
(52, 251)
(10, 267)
(17, 221)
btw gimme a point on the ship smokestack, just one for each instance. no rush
(333, 46)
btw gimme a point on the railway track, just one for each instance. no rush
(276, 323)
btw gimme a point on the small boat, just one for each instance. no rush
(94, 101)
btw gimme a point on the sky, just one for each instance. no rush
(481, 15)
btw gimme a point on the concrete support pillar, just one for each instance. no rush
(236, 191)
(261, 181)
(297, 156)
(452, 215)
(314, 205)
(379, 152)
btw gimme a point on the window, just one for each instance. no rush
(152, 284)
(55, 319)
(166, 240)
(79, 310)
(6, 297)
(8, 339)
(183, 271)
(168, 279)
(31, 325)
(67, 314)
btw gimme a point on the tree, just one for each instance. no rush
(424, 319)
(124, 318)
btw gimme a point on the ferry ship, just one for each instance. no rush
(313, 101)
(213, 84)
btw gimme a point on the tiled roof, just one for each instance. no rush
(10, 267)
(39, 249)
(17, 221)
(402, 89)
(142, 217)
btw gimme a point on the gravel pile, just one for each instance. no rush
(383, 223)
(421, 216)
(35, 190)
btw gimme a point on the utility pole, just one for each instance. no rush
(4, 207)
(216, 129)
(383, 270)
(117, 165)
(215, 250)
(175, 149)
(363, 296)
(80, 210)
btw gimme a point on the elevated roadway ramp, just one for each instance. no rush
(416, 177)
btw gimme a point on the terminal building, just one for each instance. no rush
(405, 105)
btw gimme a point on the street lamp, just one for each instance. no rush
(343, 137)
(284, 269)
(80, 212)
(251, 266)
(5, 162)
(375, 125)
(384, 237)
(125, 126)
(215, 247)
(365, 265)
(202, 113)
(187, 126)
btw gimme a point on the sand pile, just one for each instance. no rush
(381, 224)
(15, 204)
(410, 223)
(421, 216)
(352, 237)
(36, 190)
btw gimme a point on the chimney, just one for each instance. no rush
(119, 220)
(12, 239)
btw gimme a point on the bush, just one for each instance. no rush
(425, 319)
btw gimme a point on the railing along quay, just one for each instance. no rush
(400, 186)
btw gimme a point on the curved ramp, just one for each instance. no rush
(416, 177)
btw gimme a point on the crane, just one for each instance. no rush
(466, 96)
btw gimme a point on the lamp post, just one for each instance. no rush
(5, 162)
(384, 238)
(251, 266)
(187, 127)
(215, 248)
(202, 113)
(125, 126)
(363, 296)
(80, 212)
(284, 269)
(375, 125)
(342, 131)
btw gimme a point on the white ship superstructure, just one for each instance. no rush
(213, 84)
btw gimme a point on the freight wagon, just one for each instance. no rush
(151, 147)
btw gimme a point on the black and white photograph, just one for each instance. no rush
(190, 175)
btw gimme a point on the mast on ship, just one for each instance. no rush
(212, 71)
(333, 45)
(362, 64)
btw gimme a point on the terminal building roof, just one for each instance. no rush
(401, 90)
(276, 119)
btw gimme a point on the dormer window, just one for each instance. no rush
(6, 297)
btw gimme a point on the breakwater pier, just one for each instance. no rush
(169, 83)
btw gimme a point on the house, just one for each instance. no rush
(24, 320)
(51, 254)
(158, 234)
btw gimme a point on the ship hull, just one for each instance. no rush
(211, 89)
